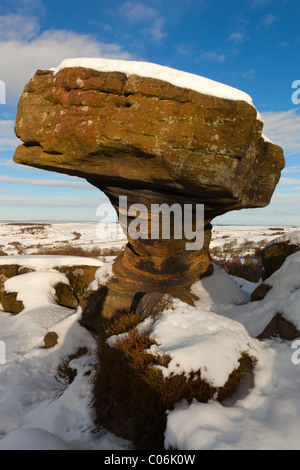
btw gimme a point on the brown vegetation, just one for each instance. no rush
(131, 395)
(65, 374)
(243, 261)
(69, 250)
(249, 268)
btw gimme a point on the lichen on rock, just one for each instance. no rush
(155, 143)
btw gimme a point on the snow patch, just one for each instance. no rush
(35, 289)
(289, 238)
(197, 339)
(102, 276)
(41, 262)
(160, 72)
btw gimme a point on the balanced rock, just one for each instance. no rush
(139, 136)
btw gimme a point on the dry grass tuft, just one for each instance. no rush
(131, 394)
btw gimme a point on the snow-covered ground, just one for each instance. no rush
(22, 238)
(242, 233)
(268, 417)
(38, 411)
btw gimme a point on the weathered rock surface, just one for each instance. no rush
(155, 143)
(6, 272)
(50, 340)
(275, 254)
(65, 296)
(80, 276)
(260, 292)
(11, 304)
(280, 327)
(153, 304)
(32, 289)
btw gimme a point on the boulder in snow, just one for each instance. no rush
(10, 303)
(276, 252)
(281, 327)
(37, 289)
(50, 340)
(260, 292)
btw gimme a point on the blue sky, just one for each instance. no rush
(253, 45)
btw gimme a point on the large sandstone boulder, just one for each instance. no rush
(153, 142)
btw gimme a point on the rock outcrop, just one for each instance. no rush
(79, 276)
(6, 272)
(154, 143)
(63, 295)
(275, 253)
(260, 292)
(281, 328)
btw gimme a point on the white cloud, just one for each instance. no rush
(238, 38)
(261, 3)
(283, 128)
(212, 56)
(45, 182)
(8, 140)
(249, 74)
(135, 12)
(14, 192)
(4, 162)
(288, 181)
(52, 201)
(18, 27)
(292, 169)
(283, 210)
(156, 30)
(268, 20)
(26, 7)
(22, 53)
